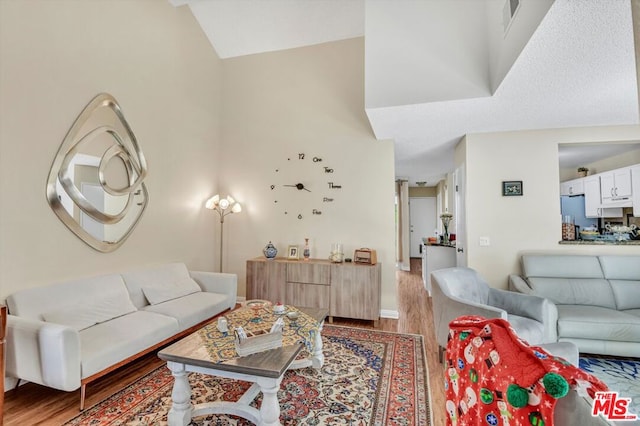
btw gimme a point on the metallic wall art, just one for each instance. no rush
(95, 185)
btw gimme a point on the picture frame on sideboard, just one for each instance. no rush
(293, 253)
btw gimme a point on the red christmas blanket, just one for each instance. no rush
(494, 378)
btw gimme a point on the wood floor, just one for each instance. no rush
(37, 405)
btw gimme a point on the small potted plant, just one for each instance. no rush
(582, 171)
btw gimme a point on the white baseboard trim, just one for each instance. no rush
(241, 299)
(403, 267)
(388, 313)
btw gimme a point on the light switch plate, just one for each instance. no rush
(484, 242)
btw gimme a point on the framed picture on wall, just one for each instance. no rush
(292, 253)
(511, 187)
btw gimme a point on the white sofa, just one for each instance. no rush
(67, 334)
(597, 298)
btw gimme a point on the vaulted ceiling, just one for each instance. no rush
(436, 70)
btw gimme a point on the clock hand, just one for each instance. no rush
(299, 186)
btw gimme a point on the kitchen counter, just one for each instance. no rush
(600, 243)
(452, 245)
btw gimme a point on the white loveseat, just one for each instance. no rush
(67, 334)
(597, 298)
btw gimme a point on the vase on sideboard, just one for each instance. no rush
(270, 251)
(306, 253)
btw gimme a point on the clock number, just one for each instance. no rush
(301, 156)
(333, 186)
(328, 170)
(272, 187)
(317, 159)
(299, 216)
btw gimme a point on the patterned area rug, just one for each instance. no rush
(369, 378)
(621, 375)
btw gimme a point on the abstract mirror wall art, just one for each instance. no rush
(95, 185)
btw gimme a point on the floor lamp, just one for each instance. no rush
(223, 206)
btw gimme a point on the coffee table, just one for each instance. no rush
(264, 370)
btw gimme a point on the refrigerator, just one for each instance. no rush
(574, 206)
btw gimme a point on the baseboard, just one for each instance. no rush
(403, 267)
(388, 313)
(241, 299)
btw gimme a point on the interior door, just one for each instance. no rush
(422, 221)
(460, 218)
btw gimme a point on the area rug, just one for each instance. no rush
(620, 374)
(369, 378)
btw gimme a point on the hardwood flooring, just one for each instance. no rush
(34, 405)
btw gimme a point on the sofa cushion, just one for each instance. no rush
(572, 291)
(166, 273)
(163, 291)
(620, 267)
(626, 293)
(85, 315)
(561, 266)
(108, 343)
(594, 322)
(192, 309)
(31, 303)
(634, 312)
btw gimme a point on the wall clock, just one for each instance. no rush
(302, 185)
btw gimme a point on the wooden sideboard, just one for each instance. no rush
(348, 290)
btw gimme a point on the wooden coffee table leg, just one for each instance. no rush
(181, 408)
(270, 407)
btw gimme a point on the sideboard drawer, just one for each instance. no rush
(309, 273)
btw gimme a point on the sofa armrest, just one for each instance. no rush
(446, 308)
(529, 306)
(217, 282)
(519, 284)
(43, 352)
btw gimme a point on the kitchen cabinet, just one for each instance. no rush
(437, 257)
(592, 201)
(572, 187)
(615, 186)
(348, 290)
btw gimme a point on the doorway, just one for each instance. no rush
(422, 222)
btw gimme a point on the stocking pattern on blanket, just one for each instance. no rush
(493, 378)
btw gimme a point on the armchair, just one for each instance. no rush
(461, 291)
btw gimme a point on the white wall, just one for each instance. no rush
(531, 222)
(605, 164)
(504, 48)
(55, 56)
(414, 54)
(307, 100)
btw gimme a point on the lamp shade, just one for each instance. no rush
(224, 204)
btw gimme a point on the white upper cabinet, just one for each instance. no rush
(572, 187)
(592, 202)
(615, 186)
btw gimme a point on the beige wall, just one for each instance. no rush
(308, 100)
(604, 164)
(55, 56)
(531, 222)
